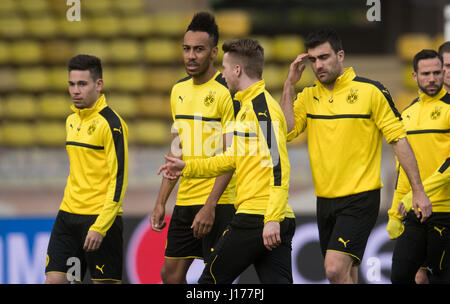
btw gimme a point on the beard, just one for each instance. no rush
(431, 90)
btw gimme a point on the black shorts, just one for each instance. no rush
(423, 244)
(345, 222)
(65, 252)
(242, 245)
(181, 243)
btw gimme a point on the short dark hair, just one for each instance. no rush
(425, 54)
(205, 22)
(251, 53)
(89, 63)
(321, 36)
(444, 48)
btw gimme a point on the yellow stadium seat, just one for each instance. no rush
(150, 132)
(5, 52)
(102, 7)
(50, 133)
(58, 51)
(12, 27)
(274, 76)
(438, 40)
(162, 50)
(26, 51)
(32, 79)
(20, 106)
(170, 23)
(58, 77)
(33, 7)
(42, 26)
(404, 98)
(125, 51)
(131, 79)
(55, 106)
(74, 29)
(123, 104)
(163, 78)
(287, 47)
(8, 79)
(18, 134)
(105, 26)
(8, 7)
(410, 44)
(266, 43)
(129, 6)
(140, 25)
(155, 105)
(234, 23)
(408, 80)
(94, 47)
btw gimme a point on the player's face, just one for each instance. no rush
(446, 57)
(83, 89)
(326, 64)
(229, 72)
(198, 53)
(429, 76)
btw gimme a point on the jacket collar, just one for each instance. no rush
(427, 98)
(251, 92)
(341, 81)
(100, 103)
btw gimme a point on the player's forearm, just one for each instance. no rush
(219, 187)
(165, 190)
(287, 105)
(407, 160)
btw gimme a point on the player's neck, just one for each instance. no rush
(204, 77)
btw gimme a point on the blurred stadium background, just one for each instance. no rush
(139, 42)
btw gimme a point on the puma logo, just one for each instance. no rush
(100, 268)
(118, 130)
(263, 114)
(343, 242)
(439, 230)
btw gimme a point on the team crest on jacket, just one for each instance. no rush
(92, 127)
(436, 113)
(352, 97)
(209, 99)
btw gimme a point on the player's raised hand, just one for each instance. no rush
(172, 168)
(296, 69)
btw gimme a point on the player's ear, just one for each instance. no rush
(340, 55)
(214, 52)
(99, 84)
(414, 76)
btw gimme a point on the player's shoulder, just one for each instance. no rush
(308, 89)
(111, 117)
(411, 106)
(374, 84)
(183, 82)
(446, 99)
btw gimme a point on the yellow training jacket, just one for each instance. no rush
(433, 184)
(97, 145)
(427, 122)
(258, 154)
(345, 127)
(201, 114)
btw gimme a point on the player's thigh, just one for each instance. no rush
(354, 223)
(64, 252)
(106, 263)
(237, 248)
(181, 242)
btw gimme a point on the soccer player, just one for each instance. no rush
(262, 229)
(346, 116)
(88, 226)
(202, 106)
(427, 121)
(444, 51)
